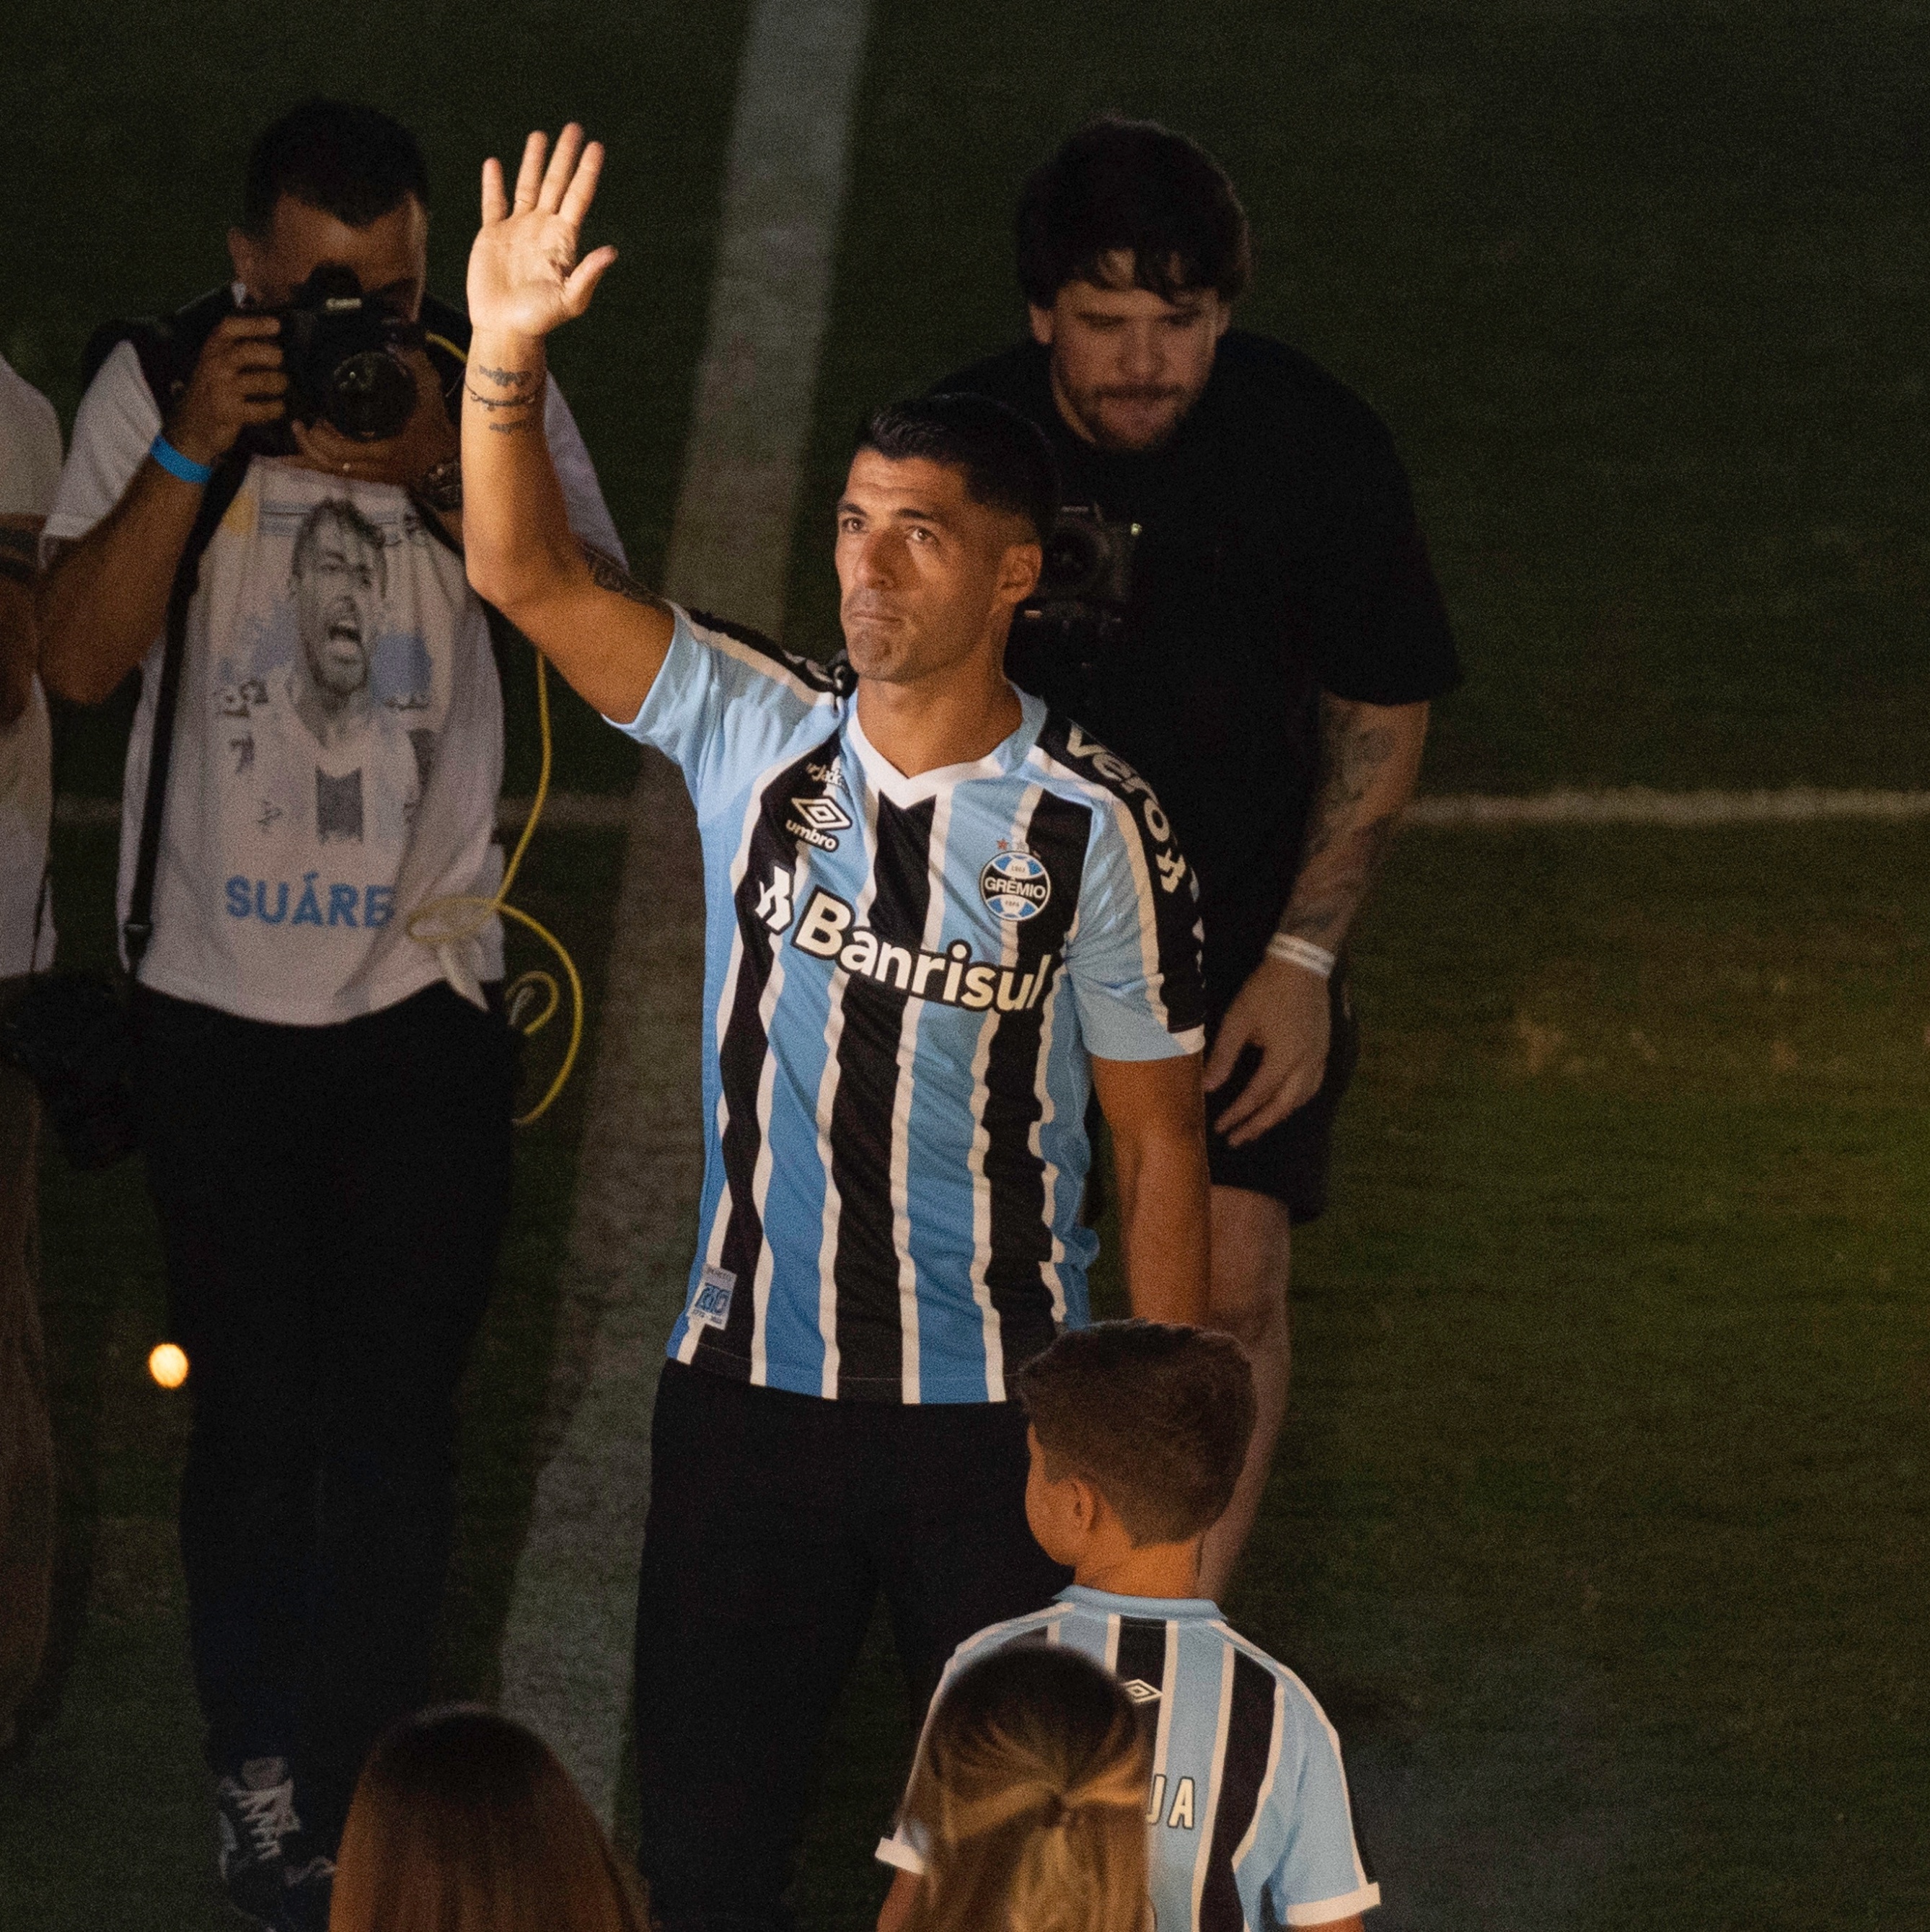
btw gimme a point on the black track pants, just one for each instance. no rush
(331, 1200)
(775, 1519)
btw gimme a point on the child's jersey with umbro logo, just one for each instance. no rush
(1247, 1816)
(903, 980)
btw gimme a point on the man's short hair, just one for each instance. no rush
(344, 515)
(1007, 463)
(1135, 187)
(1157, 1417)
(351, 162)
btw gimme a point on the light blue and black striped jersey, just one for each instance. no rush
(1247, 1816)
(903, 980)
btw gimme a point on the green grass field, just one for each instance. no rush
(1600, 1523)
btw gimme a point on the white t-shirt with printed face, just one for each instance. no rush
(29, 474)
(338, 745)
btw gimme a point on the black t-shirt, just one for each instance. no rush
(1278, 557)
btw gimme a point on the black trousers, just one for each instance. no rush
(775, 1521)
(331, 1200)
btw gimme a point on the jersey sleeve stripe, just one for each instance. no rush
(807, 680)
(1170, 934)
(1325, 1911)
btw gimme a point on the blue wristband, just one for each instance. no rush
(171, 459)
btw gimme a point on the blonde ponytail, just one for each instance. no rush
(1029, 1792)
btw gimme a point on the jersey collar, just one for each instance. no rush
(1201, 1609)
(1003, 759)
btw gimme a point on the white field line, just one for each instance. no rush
(566, 1646)
(1628, 805)
(1637, 805)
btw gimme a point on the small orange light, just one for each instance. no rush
(168, 1365)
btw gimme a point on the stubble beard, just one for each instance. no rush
(1089, 410)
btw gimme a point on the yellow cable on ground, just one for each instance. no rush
(479, 911)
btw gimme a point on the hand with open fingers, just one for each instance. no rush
(524, 278)
(1282, 1010)
(427, 439)
(238, 380)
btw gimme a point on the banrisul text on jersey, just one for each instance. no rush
(905, 979)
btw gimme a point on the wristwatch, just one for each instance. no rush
(440, 485)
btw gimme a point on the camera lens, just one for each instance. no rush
(371, 396)
(1071, 561)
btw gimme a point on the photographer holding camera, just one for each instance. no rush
(1237, 600)
(262, 510)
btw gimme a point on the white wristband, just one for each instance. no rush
(1299, 952)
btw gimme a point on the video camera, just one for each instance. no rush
(342, 352)
(1085, 588)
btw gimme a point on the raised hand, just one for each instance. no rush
(524, 278)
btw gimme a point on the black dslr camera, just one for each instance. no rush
(342, 352)
(1085, 587)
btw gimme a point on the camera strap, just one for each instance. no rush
(219, 493)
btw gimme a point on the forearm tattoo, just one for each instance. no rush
(1343, 853)
(509, 414)
(607, 574)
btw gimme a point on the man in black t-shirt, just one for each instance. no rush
(1238, 602)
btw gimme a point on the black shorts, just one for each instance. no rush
(1289, 1162)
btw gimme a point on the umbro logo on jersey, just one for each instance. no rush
(817, 819)
(1140, 1691)
(823, 813)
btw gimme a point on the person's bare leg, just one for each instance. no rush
(1253, 1252)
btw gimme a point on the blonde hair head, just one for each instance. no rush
(465, 1821)
(1029, 1794)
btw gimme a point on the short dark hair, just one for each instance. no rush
(1137, 187)
(354, 163)
(343, 514)
(1156, 1416)
(1007, 463)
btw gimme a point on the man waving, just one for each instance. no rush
(939, 917)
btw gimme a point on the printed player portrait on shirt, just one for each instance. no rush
(329, 710)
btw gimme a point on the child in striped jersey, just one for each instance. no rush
(1138, 1431)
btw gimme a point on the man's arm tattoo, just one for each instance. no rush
(506, 379)
(1353, 752)
(607, 574)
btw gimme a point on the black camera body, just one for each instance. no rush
(1085, 588)
(343, 353)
